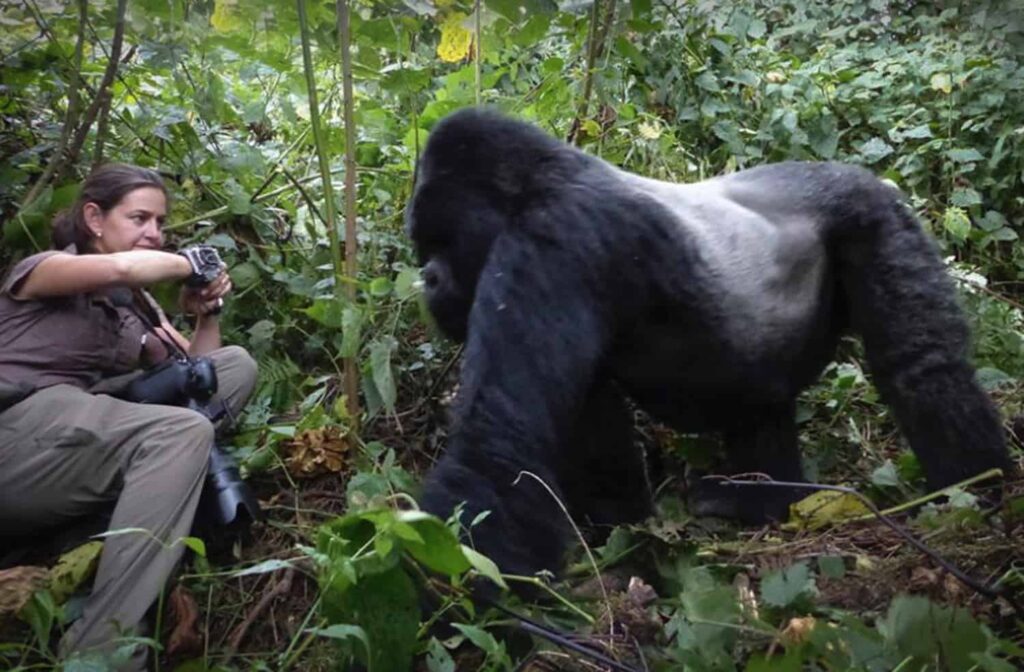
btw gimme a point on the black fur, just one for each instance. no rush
(712, 306)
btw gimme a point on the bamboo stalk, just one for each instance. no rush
(321, 150)
(351, 242)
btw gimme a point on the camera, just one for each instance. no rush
(192, 381)
(206, 264)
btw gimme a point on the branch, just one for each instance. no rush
(991, 591)
(71, 116)
(101, 92)
(280, 588)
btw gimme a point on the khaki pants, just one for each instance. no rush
(65, 453)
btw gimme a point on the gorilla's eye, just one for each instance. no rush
(430, 278)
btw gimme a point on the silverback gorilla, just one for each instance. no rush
(711, 305)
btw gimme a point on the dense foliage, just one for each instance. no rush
(215, 95)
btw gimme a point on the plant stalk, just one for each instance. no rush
(321, 149)
(351, 243)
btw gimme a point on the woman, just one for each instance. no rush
(71, 320)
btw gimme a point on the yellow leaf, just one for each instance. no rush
(941, 82)
(824, 507)
(456, 40)
(73, 569)
(225, 16)
(650, 131)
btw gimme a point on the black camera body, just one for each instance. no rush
(175, 382)
(192, 381)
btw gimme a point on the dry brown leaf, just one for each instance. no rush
(640, 593)
(314, 452)
(17, 585)
(798, 630)
(185, 640)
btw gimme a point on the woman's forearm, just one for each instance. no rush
(206, 337)
(67, 274)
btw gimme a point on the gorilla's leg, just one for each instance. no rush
(762, 441)
(604, 477)
(904, 306)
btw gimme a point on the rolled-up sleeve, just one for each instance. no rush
(21, 271)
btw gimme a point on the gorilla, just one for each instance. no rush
(576, 285)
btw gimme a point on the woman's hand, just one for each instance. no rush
(205, 301)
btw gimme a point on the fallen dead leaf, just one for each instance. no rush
(185, 640)
(314, 452)
(17, 585)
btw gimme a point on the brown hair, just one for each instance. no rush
(105, 187)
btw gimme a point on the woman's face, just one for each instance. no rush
(132, 224)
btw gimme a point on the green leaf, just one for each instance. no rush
(406, 80)
(917, 132)
(386, 607)
(327, 312)
(197, 545)
(965, 197)
(407, 283)
(832, 566)
(380, 367)
(992, 221)
(439, 548)
(886, 475)
(930, 633)
(956, 223)
(875, 149)
(516, 10)
(484, 565)
(351, 331)
(964, 155)
(344, 632)
(438, 658)
(783, 588)
(73, 569)
(380, 287)
(482, 639)
(707, 81)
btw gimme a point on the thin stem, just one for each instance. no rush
(351, 241)
(476, 46)
(321, 149)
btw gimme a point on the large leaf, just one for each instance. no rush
(932, 634)
(380, 367)
(386, 607)
(783, 588)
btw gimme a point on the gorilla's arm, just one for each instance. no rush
(525, 379)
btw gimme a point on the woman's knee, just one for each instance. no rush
(236, 371)
(183, 433)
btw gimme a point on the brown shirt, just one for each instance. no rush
(76, 339)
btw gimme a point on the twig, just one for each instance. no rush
(990, 591)
(282, 587)
(74, 97)
(586, 547)
(98, 99)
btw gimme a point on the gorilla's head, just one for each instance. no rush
(478, 170)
